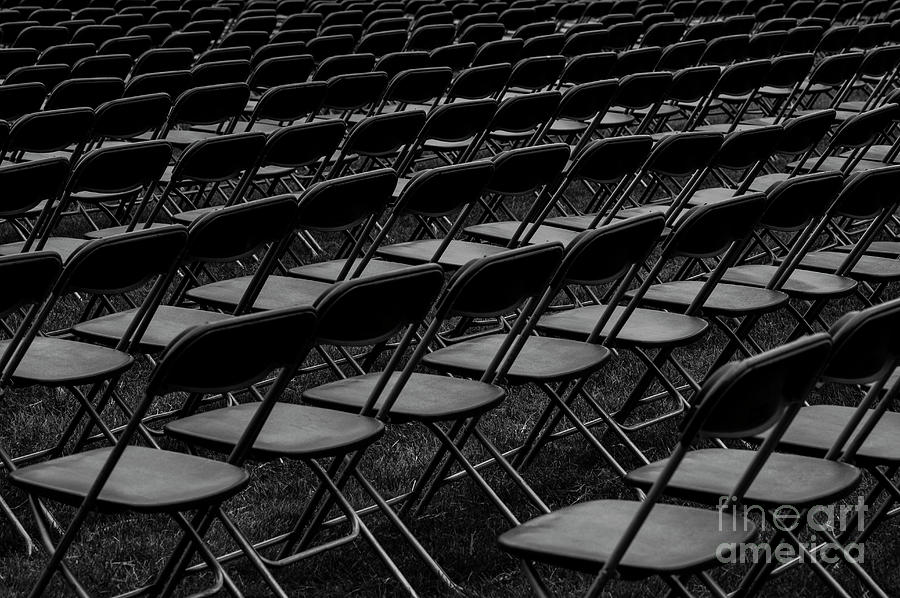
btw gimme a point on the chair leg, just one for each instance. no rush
(460, 439)
(473, 473)
(439, 459)
(534, 580)
(17, 527)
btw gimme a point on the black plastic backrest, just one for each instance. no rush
(682, 154)
(120, 168)
(794, 202)
(443, 190)
(588, 68)
(341, 203)
(743, 77)
(607, 160)
(210, 104)
(123, 262)
(537, 72)
(173, 83)
(584, 101)
(418, 85)
(280, 70)
(292, 101)
(526, 169)
(219, 158)
(384, 134)
(499, 283)
(355, 90)
(344, 64)
(304, 144)
(693, 83)
(747, 397)
(163, 59)
(51, 130)
(867, 193)
(866, 345)
(225, 71)
(525, 112)
(836, 69)
(67, 53)
(681, 55)
(372, 309)
(19, 99)
(395, 62)
(236, 231)
(805, 131)
(604, 254)
(29, 278)
(89, 92)
(861, 129)
(639, 60)
(460, 120)
(707, 231)
(26, 184)
(744, 148)
(207, 359)
(126, 118)
(48, 74)
(642, 89)
(108, 65)
(480, 81)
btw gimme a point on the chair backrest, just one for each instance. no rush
(497, 284)
(751, 396)
(303, 144)
(803, 133)
(865, 348)
(607, 161)
(682, 154)
(219, 158)
(126, 118)
(709, 230)
(867, 194)
(210, 104)
(525, 112)
(744, 148)
(372, 309)
(204, 360)
(444, 190)
(382, 135)
(120, 168)
(795, 202)
(290, 102)
(20, 99)
(26, 184)
(342, 203)
(89, 92)
(527, 169)
(234, 232)
(50, 130)
(173, 83)
(479, 82)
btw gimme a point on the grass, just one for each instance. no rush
(121, 551)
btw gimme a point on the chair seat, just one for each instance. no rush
(297, 431)
(168, 322)
(644, 327)
(615, 119)
(144, 479)
(762, 183)
(815, 428)
(118, 230)
(329, 271)
(582, 537)
(801, 283)
(702, 197)
(728, 127)
(437, 145)
(829, 163)
(64, 247)
(278, 292)
(62, 362)
(502, 232)
(542, 358)
(576, 223)
(425, 397)
(705, 475)
(185, 137)
(869, 267)
(727, 299)
(567, 126)
(878, 248)
(457, 254)
(188, 216)
(636, 211)
(875, 153)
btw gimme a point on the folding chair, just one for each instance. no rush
(453, 132)
(338, 437)
(352, 93)
(208, 168)
(833, 480)
(137, 167)
(485, 288)
(380, 141)
(581, 108)
(416, 87)
(609, 538)
(352, 224)
(126, 477)
(286, 104)
(220, 237)
(41, 134)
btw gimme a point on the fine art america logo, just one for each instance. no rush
(823, 523)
